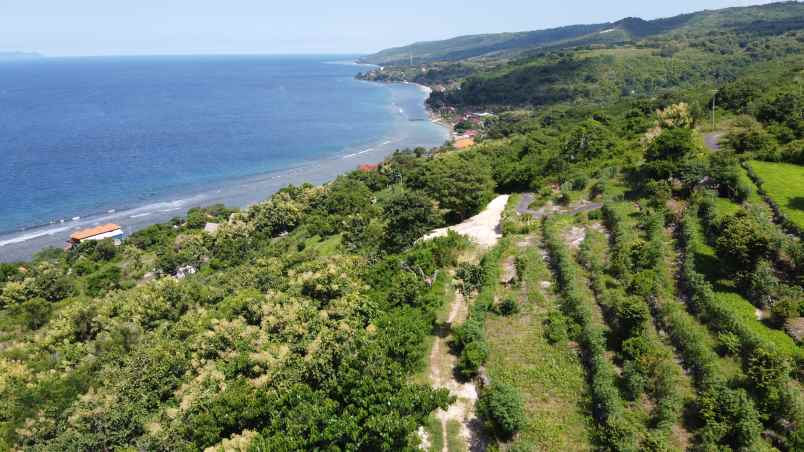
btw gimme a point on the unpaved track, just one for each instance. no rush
(712, 140)
(483, 228)
(442, 375)
(523, 207)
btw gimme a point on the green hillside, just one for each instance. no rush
(642, 288)
(626, 30)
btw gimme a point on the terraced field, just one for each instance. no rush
(621, 337)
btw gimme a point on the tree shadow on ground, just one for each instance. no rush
(796, 203)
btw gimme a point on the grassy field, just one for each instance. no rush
(784, 183)
(550, 377)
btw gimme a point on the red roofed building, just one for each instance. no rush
(104, 231)
(368, 167)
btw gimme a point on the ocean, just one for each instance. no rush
(139, 140)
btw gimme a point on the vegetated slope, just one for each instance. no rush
(308, 315)
(297, 331)
(628, 29)
(464, 47)
(633, 58)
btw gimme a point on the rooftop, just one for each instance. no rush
(91, 232)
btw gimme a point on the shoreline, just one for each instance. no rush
(241, 192)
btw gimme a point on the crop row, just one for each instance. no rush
(470, 338)
(727, 415)
(649, 364)
(608, 408)
(767, 369)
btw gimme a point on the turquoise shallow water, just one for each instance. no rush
(139, 140)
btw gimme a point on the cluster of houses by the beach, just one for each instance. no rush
(466, 139)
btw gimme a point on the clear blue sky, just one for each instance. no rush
(110, 27)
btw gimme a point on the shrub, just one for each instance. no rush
(52, 285)
(508, 306)
(555, 327)
(473, 356)
(669, 152)
(763, 284)
(579, 182)
(32, 313)
(501, 407)
(729, 342)
(104, 280)
(787, 306)
(742, 241)
(566, 193)
(471, 277)
(729, 417)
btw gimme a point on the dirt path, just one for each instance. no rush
(483, 228)
(442, 375)
(523, 208)
(712, 140)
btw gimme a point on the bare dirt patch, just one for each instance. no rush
(574, 236)
(508, 274)
(483, 228)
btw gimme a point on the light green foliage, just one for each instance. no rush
(669, 154)
(461, 184)
(501, 406)
(408, 215)
(783, 183)
(308, 314)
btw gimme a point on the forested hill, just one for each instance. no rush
(646, 291)
(507, 45)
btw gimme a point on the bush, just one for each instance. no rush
(473, 356)
(729, 343)
(787, 306)
(501, 407)
(742, 241)
(508, 306)
(104, 280)
(471, 277)
(579, 182)
(555, 327)
(32, 313)
(668, 153)
(763, 284)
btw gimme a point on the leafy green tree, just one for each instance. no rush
(344, 198)
(752, 138)
(106, 279)
(402, 331)
(738, 95)
(501, 407)
(408, 215)
(667, 154)
(52, 285)
(16, 292)
(32, 313)
(461, 184)
(769, 373)
(742, 241)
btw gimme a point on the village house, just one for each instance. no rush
(105, 231)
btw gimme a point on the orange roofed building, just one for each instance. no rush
(368, 167)
(104, 231)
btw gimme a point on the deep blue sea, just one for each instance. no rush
(135, 140)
